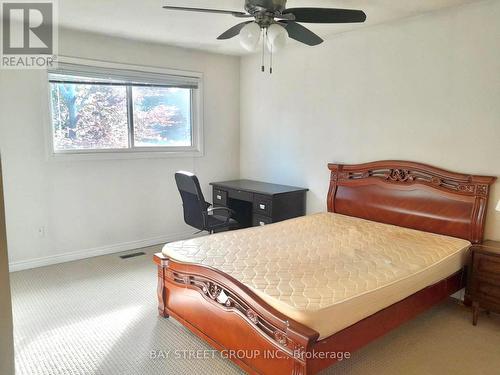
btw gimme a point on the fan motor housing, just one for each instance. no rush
(267, 6)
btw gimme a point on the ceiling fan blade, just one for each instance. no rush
(219, 11)
(300, 33)
(233, 31)
(326, 15)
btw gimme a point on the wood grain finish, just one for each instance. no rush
(229, 316)
(162, 292)
(412, 195)
(488, 265)
(483, 285)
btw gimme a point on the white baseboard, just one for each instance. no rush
(97, 251)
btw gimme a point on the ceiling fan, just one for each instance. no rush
(273, 22)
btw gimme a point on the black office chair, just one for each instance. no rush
(197, 212)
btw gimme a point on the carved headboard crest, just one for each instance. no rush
(412, 194)
(408, 176)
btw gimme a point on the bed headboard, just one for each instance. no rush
(412, 195)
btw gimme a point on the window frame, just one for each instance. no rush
(139, 72)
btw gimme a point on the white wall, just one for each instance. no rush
(425, 89)
(91, 207)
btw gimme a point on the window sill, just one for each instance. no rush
(123, 155)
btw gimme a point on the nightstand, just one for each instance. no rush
(483, 284)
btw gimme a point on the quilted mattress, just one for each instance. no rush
(327, 271)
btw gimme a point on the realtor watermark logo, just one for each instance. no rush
(29, 34)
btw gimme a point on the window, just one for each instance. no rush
(109, 110)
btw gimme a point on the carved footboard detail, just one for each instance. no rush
(228, 301)
(287, 340)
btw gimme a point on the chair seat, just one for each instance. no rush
(219, 221)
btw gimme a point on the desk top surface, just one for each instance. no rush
(258, 187)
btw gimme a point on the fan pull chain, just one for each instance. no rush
(271, 61)
(266, 43)
(264, 36)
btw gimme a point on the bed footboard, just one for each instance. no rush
(233, 319)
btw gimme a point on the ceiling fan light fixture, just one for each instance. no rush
(275, 23)
(250, 36)
(277, 37)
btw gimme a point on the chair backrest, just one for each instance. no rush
(193, 202)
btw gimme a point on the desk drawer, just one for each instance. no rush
(240, 195)
(259, 220)
(219, 197)
(262, 205)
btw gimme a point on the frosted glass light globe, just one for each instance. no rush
(277, 37)
(250, 36)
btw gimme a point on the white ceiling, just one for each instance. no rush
(146, 20)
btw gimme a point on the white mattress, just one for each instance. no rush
(328, 271)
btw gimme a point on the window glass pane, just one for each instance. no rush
(88, 116)
(162, 116)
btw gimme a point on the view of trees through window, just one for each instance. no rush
(94, 116)
(89, 116)
(162, 116)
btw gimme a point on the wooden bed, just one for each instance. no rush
(401, 193)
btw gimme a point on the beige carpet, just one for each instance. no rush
(98, 316)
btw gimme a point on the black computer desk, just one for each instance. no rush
(259, 203)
